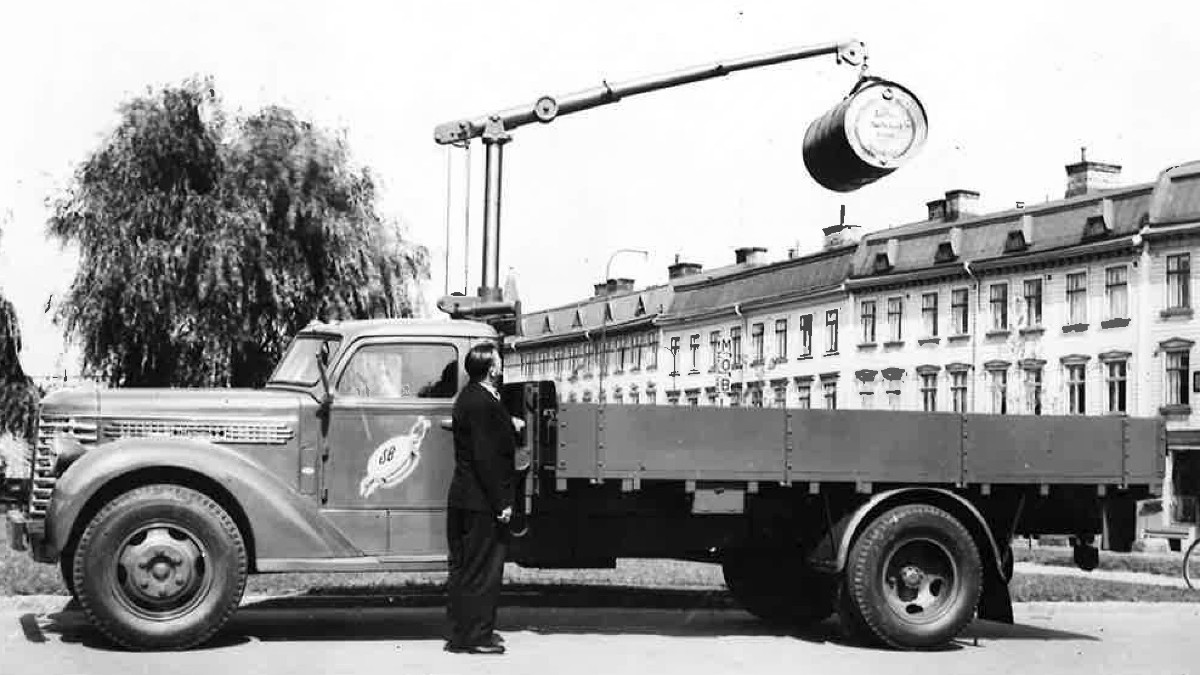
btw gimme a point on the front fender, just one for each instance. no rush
(283, 523)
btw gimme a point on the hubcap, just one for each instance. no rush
(920, 580)
(160, 570)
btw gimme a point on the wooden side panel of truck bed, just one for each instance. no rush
(878, 446)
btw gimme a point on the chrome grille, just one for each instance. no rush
(49, 426)
(232, 431)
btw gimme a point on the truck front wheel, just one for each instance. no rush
(913, 578)
(778, 587)
(160, 567)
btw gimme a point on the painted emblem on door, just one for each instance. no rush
(394, 460)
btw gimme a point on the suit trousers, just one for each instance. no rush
(478, 544)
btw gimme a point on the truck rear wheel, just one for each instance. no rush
(913, 578)
(160, 567)
(778, 587)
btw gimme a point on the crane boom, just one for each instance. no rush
(547, 108)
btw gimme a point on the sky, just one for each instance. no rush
(1013, 90)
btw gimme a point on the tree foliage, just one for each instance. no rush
(18, 395)
(206, 241)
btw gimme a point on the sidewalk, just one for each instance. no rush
(1105, 575)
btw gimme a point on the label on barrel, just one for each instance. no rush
(886, 123)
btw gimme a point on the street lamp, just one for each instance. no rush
(604, 316)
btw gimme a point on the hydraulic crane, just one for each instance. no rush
(875, 129)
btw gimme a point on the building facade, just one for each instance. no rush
(1079, 306)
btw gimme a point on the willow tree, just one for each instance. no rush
(205, 241)
(18, 397)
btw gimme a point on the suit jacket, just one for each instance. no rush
(484, 446)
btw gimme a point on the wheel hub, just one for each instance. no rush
(912, 577)
(919, 580)
(160, 567)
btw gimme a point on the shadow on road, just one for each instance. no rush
(418, 613)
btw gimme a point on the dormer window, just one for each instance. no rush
(882, 264)
(608, 311)
(1015, 242)
(578, 322)
(1095, 228)
(546, 325)
(641, 307)
(945, 253)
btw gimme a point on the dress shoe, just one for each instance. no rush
(474, 649)
(496, 639)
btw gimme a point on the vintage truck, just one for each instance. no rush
(157, 504)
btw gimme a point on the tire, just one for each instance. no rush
(160, 567)
(914, 576)
(778, 587)
(1191, 566)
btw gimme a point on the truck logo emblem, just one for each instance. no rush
(394, 460)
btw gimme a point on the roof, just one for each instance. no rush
(1054, 225)
(796, 276)
(351, 330)
(1176, 196)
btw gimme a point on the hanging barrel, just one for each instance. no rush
(874, 130)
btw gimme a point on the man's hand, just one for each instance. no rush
(505, 515)
(518, 424)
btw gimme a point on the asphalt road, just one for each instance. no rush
(297, 635)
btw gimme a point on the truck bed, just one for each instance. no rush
(647, 442)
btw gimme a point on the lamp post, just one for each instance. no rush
(604, 316)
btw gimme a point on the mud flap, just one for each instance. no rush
(995, 602)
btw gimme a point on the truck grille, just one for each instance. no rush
(233, 431)
(49, 426)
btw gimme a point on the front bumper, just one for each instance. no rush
(28, 535)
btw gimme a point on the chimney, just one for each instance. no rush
(682, 269)
(619, 285)
(601, 289)
(839, 235)
(961, 203)
(750, 255)
(937, 209)
(1084, 176)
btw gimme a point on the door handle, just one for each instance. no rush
(447, 423)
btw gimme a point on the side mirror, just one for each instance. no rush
(323, 354)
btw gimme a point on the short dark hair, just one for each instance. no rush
(479, 360)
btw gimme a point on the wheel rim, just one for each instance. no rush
(1191, 566)
(161, 572)
(920, 580)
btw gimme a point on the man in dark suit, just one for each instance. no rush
(480, 504)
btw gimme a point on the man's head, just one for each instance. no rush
(483, 362)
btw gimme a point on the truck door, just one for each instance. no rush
(391, 454)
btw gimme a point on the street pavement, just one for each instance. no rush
(288, 635)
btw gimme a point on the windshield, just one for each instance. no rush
(299, 365)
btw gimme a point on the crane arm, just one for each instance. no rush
(546, 108)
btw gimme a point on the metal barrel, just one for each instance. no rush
(868, 135)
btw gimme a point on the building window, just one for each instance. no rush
(806, 331)
(735, 343)
(1116, 291)
(695, 347)
(1033, 391)
(653, 354)
(674, 357)
(999, 391)
(634, 398)
(831, 330)
(1179, 281)
(1077, 298)
(929, 392)
(1033, 302)
(712, 396)
(929, 312)
(1076, 388)
(756, 397)
(804, 396)
(756, 343)
(618, 398)
(959, 310)
(999, 304)
(693, 398)
(1178, 364)
(714, 347)
(781, 339)
(1117, 372)
(781, 397)
(958, 391)
(893, 394)
(867, 318)
(830, 389)
(895, 317)
(865, 397)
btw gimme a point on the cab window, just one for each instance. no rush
(399, 371)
